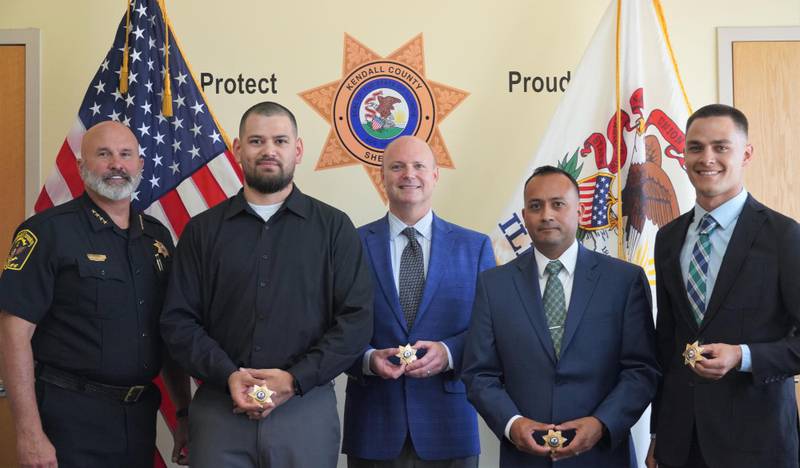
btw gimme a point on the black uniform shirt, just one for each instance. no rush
(293, 293)
(95, 291)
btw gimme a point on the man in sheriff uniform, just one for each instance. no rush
(80, 300)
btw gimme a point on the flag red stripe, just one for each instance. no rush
(43, 202)
(158, 460)
(175, 210)
(208, 186)
(68, 167)
(167, 406)
(235, 165)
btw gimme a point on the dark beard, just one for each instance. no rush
(267, 184)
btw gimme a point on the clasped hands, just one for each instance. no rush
(432, 363)
(241, 382)
(588, 431)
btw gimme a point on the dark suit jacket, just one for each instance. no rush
(607, 366)
(434, 411)
(744, 419)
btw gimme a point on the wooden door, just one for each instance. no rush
(12, 188)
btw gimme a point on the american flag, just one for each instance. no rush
(188, 165)
(595, 201)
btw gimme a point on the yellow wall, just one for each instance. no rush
(468, 44)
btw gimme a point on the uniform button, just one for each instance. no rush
(264, 257)
(261, 316)
(144, 335)
(266, 228)
(262, 283)
(146, 365)
(257, 348)
(138, 271)
(102, 272)
(141, 301)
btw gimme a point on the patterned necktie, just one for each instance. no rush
(698, 268)
(412, 276)
(555, 305)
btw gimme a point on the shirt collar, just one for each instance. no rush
(724, 214)
(424, 226)
(297, 202)
(99, 219)
(568, 259)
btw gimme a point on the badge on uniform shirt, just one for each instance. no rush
(21, 250)
(692, 354)
(261, 395)
(407, 354)
(161, 252)
(554, 440)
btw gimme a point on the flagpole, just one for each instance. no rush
(620, 246)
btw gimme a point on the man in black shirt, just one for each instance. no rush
(79, 303)
(269, 288)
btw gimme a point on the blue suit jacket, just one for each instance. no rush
(607, 367)
(380, 413)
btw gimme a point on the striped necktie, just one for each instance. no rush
(698, 268)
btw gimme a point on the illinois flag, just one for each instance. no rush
(146, 83)
(619, 132)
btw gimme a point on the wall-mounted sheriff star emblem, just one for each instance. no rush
(377, 100)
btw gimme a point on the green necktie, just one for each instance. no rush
(555, 306)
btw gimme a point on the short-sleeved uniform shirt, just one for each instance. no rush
(94, 291)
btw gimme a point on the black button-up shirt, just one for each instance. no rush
(293, 293)
(94, 291)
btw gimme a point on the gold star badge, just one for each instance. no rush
(261, 395)
(377, 100)
(554, 440)
(692, 354)
(161, 249)
(407, 354)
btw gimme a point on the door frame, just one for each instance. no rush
(725, 39)
(30, 38)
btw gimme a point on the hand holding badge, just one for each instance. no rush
(554, 440)
(407, 354)
(261, 395)
(692, 354)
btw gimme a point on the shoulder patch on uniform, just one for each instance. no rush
(21, 250)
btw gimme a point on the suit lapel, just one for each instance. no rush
(747, 227)
(526, 281)
(583, 286)
(440, 247)
(378, 244)
(673, 275)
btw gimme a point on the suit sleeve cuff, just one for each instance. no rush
(747, 361)
(449, 356)
(510, 422)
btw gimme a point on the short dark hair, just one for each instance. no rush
(268, 109)
(719, 110)
(549, 170)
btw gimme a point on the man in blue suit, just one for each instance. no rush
(561, 339)
(400, 414)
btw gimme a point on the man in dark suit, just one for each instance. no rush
(425, 270)
(727, 277)
(561, 339)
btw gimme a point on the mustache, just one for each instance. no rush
(269, 159)
(117, 173)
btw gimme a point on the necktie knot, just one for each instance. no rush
(707, 224)
(553, 268)
(411, 233)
